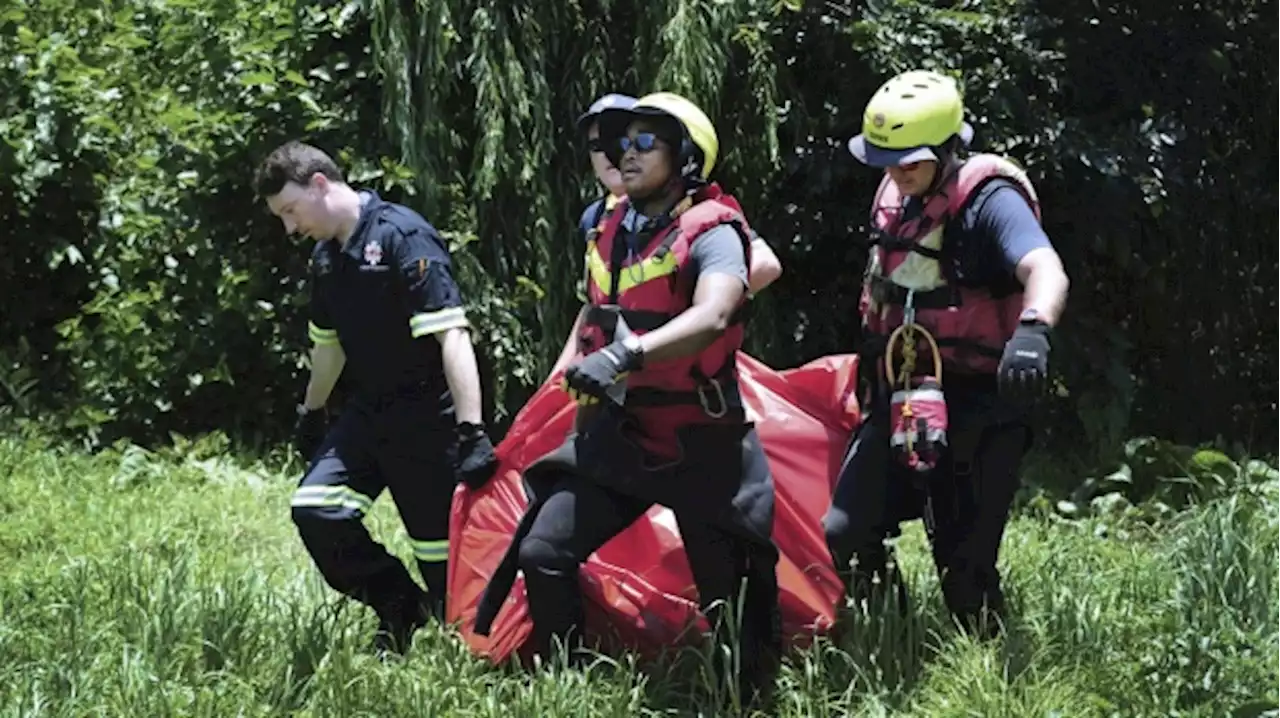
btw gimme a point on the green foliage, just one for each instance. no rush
(1157, 479)
(137, 128)
(481, 99)
(155, 295)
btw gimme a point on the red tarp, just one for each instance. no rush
(638, 588)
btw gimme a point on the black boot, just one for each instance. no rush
(974, 599)
(436, 576)
(555, 605)
(761, 645)
(402, 607)
(756, 629)
(399, 620)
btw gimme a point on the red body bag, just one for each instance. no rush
(638, 591)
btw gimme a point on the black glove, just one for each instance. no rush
(309, 430)
(590, 379)
(1024, 368)
(476, 458)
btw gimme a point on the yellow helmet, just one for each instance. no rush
(909, 115)
(700, 146)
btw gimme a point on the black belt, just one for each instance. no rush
(716, 397)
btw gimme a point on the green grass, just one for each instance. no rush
(138, 585)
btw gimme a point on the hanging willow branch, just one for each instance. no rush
(481, 95)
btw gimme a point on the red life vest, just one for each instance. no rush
(608, 204)
(653, 286)
(971, 324)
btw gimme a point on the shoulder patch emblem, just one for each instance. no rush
(373, 252)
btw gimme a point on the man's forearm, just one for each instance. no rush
(461, 373)
(765, 266)
(327, 361)
(570, 345)
(1045, 284)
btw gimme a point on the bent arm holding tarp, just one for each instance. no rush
(721, 263)
(570, 346)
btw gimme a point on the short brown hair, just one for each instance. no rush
(293, 161)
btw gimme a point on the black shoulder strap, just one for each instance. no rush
(600, 210)
(616, 258)
(592, 228)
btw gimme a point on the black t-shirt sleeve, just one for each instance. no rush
(1002, 216)
(320, 325)
(434, 301)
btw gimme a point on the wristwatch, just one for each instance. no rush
(632, 344)
(467, 429)
(1030, 316)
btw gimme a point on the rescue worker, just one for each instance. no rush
(595, 214)
(384, 307)
(958, 247)
(661, 417)
(765, 266)
(606, 173)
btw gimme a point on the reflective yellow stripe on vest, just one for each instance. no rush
(646, 270)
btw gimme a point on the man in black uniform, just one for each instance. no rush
(384, 306)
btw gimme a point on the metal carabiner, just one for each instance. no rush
(702, 399)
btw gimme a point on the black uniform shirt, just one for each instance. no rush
(382, 297)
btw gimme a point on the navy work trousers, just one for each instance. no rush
(405, 444)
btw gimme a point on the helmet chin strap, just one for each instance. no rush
(948, 164)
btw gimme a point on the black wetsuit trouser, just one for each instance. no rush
(721, 493)
(964, 502)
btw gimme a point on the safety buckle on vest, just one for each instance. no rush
(719, 396)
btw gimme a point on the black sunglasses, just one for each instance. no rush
(643, 142)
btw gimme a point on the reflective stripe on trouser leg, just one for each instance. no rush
(329, 507)
(344, 499)
(433, 564)
(431, 551)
